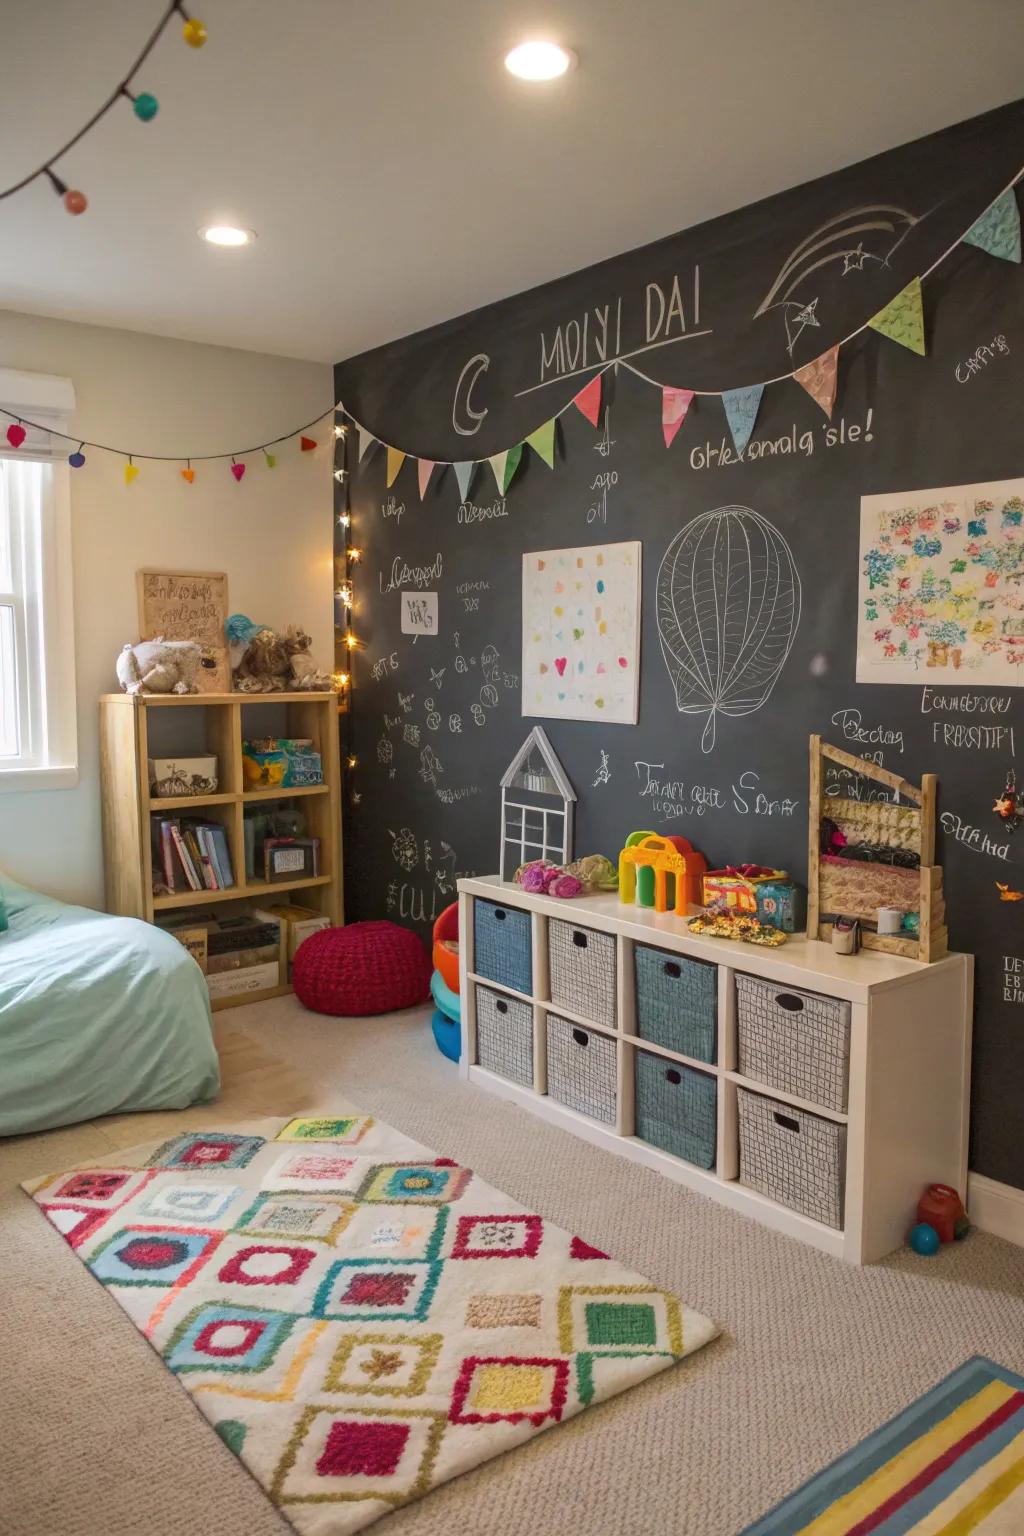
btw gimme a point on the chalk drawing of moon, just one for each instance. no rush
(464, 396)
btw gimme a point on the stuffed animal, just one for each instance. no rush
(159, 666)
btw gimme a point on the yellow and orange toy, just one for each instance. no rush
(735, 888)
(647, 864)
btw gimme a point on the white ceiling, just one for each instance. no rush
(396, 176)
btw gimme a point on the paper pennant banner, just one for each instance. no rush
(543, 442)
(512, 459)
(902, 319)
(464, 473)
(396, 458)
(589, 400)
(497, 461)
(366, 441)
(741, 407)
(998, 229)
(424, 470)
(819, 379)
(674, 405)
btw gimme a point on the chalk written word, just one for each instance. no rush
(748, 800)
(709, 456)
(419, 613)
(595, 336)
(973, 738)
(844, 783)
(392, 508)
(933, 703)
(850, 722)
(965, 371)
(452, 796)
(384, 666)
(675, 797)
(604, 772)
(469, 512)
(403, 575)
(972, 837)
(602, 483)
(1013, 979)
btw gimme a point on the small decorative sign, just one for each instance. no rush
(419, 613)
(189, 605)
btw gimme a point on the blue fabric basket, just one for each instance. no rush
(501, 945)
(676, 1002)
(676, 1109)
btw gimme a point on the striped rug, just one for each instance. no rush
(951, 1463)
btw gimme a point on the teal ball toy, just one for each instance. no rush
(924, 1240)
(145, 106)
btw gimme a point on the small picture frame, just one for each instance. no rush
(289, 858)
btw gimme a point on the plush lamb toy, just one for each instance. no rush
(159, 666)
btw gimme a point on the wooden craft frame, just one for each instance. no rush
(932, 940)
(208, 680)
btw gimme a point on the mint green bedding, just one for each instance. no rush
(98, 1015)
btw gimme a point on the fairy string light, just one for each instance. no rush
(144, 105)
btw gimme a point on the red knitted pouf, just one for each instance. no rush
(362, 969)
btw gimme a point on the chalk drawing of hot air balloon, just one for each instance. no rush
(728, 613)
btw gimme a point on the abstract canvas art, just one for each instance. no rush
(581, 633)
(941, 596)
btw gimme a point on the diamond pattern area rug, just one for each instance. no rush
(359, 1319)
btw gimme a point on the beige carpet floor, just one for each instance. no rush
(96, 1438)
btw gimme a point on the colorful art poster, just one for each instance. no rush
(581, 633)
(941, 594)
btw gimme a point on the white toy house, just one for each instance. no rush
(536, 807)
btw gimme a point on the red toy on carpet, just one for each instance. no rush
(363, 969)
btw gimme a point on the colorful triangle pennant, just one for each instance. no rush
(674, 405)
(396, 458)
(130, 472)
(424, 470)
(464, 473)
(902, 319)
(307, 444)
(543, 442)
(998, 229)
(589, 400)
(741, 408)
(820, 378)
(497, 461)
(366, 440)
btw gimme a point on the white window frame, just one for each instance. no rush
(42, 595)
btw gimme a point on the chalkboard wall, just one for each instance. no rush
(437, 717)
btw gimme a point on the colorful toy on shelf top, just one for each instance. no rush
(736, 925)
(648, 863)
(865, 854)
(736, 886)
(591, 873)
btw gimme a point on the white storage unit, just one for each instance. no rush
(905, 1085)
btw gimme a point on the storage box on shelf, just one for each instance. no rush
(816, 1092)
(135, 728)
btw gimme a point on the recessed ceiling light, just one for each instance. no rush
(227, 234)
(539, 61)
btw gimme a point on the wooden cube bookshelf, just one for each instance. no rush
(134, 728)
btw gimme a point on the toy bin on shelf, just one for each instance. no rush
(794, 1041)
(676, 1002)
(501, 945)
(582, 970)
(676, 1108)
(796, 1158)
(582, 1069)
(504, 1036)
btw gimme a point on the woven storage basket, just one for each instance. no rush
(504, 1036)
(582, 970)
(795, 1041)
(501, 945)
(676, 1108)
(676, 1002)
(795, 1158)
(582, 1069)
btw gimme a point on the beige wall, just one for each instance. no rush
(272, 533)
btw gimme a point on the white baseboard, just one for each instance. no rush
(995, 1207)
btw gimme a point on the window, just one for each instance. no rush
(37, 687)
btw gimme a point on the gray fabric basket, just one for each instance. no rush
(582, 1070)
(795, 1158)
(502, 945)
(795, 1041)
(582, 969)
(676, 1108)
(504, 1036)
(676, 1001)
